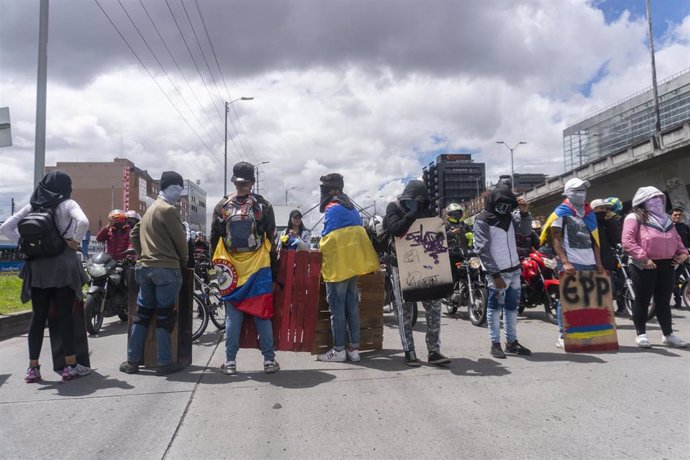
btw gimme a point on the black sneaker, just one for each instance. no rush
(129, 368)
(517, 349)
(621, 312)
(411, 359)
(438, 359)
(497, 351)
(169, 368)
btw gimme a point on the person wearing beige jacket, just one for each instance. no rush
(160, 242)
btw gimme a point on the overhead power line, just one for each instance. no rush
(154, 79)
(220, 71)
(203, 80)
(167, 74)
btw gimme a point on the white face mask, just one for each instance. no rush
(577, 197)
(173, 193)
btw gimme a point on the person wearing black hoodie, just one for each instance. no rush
(411, 205)
(56, 279)
(495, 243)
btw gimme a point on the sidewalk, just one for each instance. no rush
(630, 404)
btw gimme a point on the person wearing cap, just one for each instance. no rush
(654, 247)
(574, 234)
(245, 224)
(160, 242)
(609, 238)
(347, 253)
(295, 235)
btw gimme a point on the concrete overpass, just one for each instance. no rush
(621, 173)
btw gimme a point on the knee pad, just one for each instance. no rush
(143, 317)
(166, 318)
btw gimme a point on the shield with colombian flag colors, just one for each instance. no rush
(589, 323)
(245, 279)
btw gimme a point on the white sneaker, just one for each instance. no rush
(560, 343)
(643, 342)
(229, 368)
(353, 355)
(333, 356)
(78, 370)
(672, 340)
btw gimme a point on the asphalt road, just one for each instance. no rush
(631, 404)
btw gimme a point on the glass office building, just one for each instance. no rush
(627, 123)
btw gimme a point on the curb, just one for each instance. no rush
(14, 324)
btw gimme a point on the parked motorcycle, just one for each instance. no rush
(469, 289)
(626, 294)
(682, 278)
(108, 294)
(540, 284)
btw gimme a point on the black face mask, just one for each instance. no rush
(503, 208)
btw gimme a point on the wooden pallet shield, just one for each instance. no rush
(589, 323)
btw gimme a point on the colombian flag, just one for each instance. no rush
(566, 209)
(346, 249)
(245, 279)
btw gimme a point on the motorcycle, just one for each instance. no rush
(540, 284)
(626, 294)
(681, 283)
(107, 294)
(469, 289)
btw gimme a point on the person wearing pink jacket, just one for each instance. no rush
(654, 246)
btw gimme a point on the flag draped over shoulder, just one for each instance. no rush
(346, 249)
(565, 209)
(245, 279)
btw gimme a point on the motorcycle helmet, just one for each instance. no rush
(616, 205)
(132, 215)
(117, 218)
(454, 213)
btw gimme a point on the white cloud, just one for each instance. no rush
(371, 122)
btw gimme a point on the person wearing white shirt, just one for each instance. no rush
(57, 279)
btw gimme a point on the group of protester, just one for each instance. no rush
(243, 233)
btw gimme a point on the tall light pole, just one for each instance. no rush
(257, 174)
(225, 170)
(40, 142)
(286, 191)
(512, 164)
(655, 92)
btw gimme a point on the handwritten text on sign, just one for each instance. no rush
(423, 261)
(587, 309)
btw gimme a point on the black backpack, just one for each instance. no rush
(39, 235)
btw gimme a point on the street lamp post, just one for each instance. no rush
(512, 164)
(225, 169)
(286, 193)
(257, 174)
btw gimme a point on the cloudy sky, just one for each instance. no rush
(373, 89)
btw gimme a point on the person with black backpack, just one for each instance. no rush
(49, 230)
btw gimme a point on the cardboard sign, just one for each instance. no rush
(423, 261)
(587, 308)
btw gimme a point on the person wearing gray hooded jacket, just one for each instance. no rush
(495, 243)
(411, 205)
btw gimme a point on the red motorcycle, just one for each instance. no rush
(540, 284)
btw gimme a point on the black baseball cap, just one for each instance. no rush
(243, 172)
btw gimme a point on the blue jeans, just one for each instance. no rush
(158, 289)
(579, 268)
(506, 299)
(343, 301)
(233, 327)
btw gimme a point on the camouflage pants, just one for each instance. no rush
(403, 314)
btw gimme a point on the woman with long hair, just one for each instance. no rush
(295, 235)
(654, 247)
(53, 279)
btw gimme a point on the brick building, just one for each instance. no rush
(99, 187)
